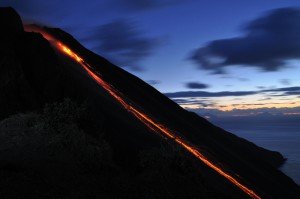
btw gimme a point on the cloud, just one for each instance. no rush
(265, 99)
(196, 85)
(285, 82)
(268, 43)
(243, 79)
(123, 43)
(227, 76)
(153, 82)
(292, 93)
(261, 87)
(285, 91)
(253, 118)
(209, 94)
(201, 102)
(138, 5)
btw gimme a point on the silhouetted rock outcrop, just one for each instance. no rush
(10, 22)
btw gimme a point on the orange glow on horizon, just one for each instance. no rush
(146, 119)
(229, 107)
(270, 105)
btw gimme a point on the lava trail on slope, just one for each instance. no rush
(142, 116)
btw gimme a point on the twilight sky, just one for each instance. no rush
(204, 54)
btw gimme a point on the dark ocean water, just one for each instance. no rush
(282, 138)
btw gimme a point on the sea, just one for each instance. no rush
(284, 138)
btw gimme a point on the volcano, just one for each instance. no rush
(46, 75)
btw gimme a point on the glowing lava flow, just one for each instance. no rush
(149, 122)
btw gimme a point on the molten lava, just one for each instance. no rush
(143, 117)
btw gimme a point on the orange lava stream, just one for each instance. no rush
(149, 122)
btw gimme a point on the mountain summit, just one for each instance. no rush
(76, 126)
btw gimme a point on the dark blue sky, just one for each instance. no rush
(211, 46)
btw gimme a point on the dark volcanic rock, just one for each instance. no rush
(28, 74)
(10, 22)
(28, 69)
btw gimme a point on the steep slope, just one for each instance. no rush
(243, 157)
(33, 73)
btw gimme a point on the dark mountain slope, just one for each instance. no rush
(32, 74)
(242, 156)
